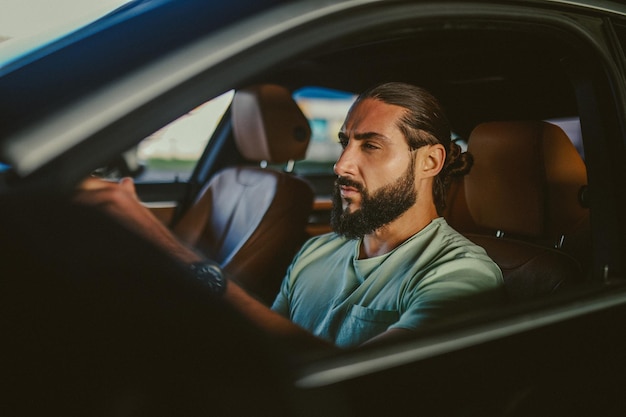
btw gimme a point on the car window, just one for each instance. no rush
(171, 153)
(571, 126)
(26, 26)
(326, 110)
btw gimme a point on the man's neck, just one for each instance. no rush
(392, 235)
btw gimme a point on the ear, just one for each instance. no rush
(433, 158)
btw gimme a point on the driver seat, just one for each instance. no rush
(249, 219)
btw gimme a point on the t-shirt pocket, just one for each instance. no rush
(362, 323)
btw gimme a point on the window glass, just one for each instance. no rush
(28, 25)
(171, 153)
(326, 110)
(571, 127)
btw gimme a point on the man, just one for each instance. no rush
(392, 264)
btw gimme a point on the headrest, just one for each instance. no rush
(526, 179)
(268, 124)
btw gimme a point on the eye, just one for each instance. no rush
(343, 141)
(369, 146)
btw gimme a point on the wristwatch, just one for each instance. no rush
(210, 274)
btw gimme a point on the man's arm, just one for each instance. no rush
(272, 322)
(120, 201)
(387, 335)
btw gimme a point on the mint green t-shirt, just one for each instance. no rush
(347, 301)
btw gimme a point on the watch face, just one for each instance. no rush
(210, 274)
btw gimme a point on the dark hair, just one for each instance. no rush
(424, 123)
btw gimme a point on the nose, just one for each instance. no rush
(345, 165)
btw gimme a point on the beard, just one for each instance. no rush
(377, 210)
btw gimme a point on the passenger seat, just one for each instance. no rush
(251, 219)
(522, 202)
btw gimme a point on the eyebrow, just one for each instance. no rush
(362, 136)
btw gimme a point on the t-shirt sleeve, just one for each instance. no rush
(281, 302)
(462, 286)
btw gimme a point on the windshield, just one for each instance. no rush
(26, 25)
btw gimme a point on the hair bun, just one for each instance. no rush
(457, 163)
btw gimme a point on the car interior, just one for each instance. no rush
(252, 198)
(525, 199)
(249, 219)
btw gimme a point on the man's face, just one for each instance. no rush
(376, 171)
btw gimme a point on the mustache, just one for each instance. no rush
(348, 183)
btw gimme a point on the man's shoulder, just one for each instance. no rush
(327, 240)
(467, 255)
(445, 249)
(319, 251)
(454, 239)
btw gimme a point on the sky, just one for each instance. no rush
(28, 24)
(24, 18)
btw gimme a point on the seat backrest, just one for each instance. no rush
(525, 186)
(530, 270)
(526, 182)
(250, 219)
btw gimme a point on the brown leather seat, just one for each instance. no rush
(250, 219)
(521, 202)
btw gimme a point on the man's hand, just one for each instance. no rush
(120, 201)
